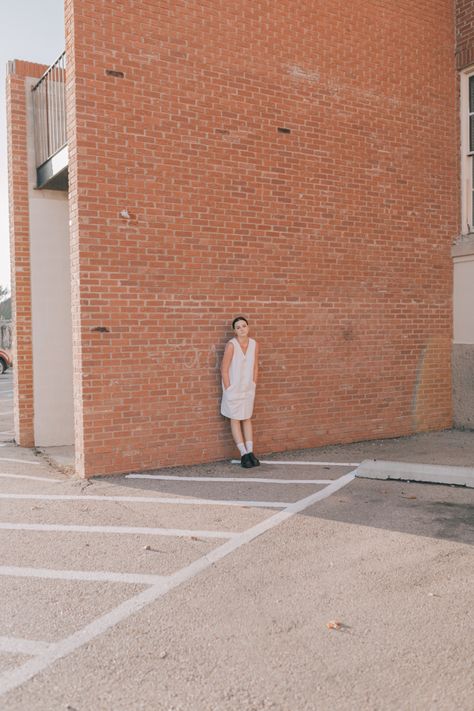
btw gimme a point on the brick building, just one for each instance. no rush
(293, 163)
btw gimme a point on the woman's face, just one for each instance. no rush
(241, 328)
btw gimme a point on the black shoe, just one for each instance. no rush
(254, 460)
(245, 461)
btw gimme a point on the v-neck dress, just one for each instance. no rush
(238, 399)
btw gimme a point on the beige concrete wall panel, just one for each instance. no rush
(463, 385)
(464, 299)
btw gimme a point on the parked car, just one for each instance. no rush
(5, 361)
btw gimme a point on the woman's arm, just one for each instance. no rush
(226, 361)
(255, 364)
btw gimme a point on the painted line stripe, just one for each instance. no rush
(148, 500)
(130, 530)
(305, 464)
(247, 480)
(19, 461)
(16, 645)
(12, 679)
(6, 412)
(84, 575)
(7, 432)
(26, 476)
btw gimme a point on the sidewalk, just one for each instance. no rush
(448, 448)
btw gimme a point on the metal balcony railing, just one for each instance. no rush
(49, 106)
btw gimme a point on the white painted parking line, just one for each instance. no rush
(6, 412)
(13, 678)
(130, 530)
(247, 480)
(84, 575)
(304, 464)
(16, 645)
(27, 476)
(19, 461)
(9, 432)
(149, 500)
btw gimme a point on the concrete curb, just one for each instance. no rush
(408, 471)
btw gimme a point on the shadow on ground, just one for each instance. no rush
(431, 510)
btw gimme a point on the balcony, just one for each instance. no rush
(49, 109)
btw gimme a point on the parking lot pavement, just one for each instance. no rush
(116, 594)
(293, 587)
(78, 559)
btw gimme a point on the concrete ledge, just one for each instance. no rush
(407, 471)
(463, 247)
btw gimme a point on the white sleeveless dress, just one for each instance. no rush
(238, 399)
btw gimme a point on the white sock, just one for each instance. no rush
(241, 448)
(249, 446)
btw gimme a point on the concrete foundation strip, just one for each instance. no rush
(408, 471)
(303, 464)
(14, 678)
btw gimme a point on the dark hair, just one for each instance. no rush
(239, 318)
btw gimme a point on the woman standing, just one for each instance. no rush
(239, 372)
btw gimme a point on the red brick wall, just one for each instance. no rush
(334, 239)
(464, 33)
(20, 248)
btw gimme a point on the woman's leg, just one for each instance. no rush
(236, 430)
(245, 459)
(248, 434)
(248, 431)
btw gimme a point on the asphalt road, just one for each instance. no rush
(204, 589)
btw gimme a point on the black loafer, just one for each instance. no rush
(245, 461)
(254, 460)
